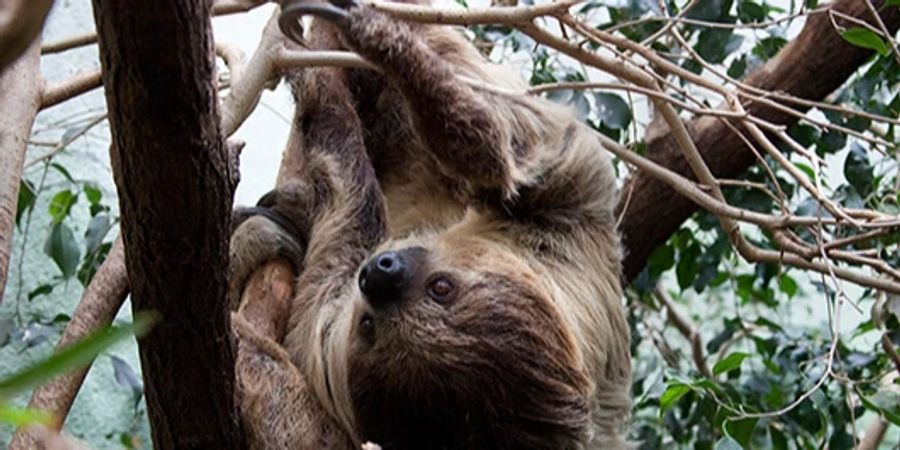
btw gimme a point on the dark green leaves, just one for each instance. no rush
(74, 356)
(62, 247)
(865, 38)
(729, 363)
(750, 12)
(741, 431)
(728, 443)
(61, 204)
(612, 110)
(18, 417)
(671, 396)
(858, 170)
(26, 200)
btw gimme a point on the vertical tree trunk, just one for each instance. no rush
(170, 163)
(20, 97)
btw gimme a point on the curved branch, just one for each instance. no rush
(471, 16)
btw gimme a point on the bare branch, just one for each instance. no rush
(69, 43)
(508, 15)
(55, 94)
(687, 329)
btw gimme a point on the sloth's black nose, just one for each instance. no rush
(383, 278)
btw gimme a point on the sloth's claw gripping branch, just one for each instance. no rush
(293, 11)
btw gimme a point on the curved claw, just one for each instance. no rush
(293, 11)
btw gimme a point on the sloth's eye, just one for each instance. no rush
(441, 290)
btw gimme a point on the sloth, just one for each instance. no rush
(459, 279)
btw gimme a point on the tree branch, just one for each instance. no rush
(811, 66)
(79, 84)
(19, 102)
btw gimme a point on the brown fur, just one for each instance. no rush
(510, 197)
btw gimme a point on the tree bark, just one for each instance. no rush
(811, 66)
(20, 98)
(173, 173)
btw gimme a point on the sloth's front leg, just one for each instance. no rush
(475, 135)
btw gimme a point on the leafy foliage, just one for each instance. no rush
(765, 330)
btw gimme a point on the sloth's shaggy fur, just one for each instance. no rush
(510, 197)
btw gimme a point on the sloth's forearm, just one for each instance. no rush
(461, 126)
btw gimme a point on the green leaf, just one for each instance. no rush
(62, 247)
(43, 289)
(741, 430)
(885, 403)
(729, 363)
(738, 67)
(93, 193)
(728, 443)
(858, 170)
(866, 38)
(76, 355)
(96, 231)
(61, 204)
(26, 199)
(673, 393)
(581, 105)
(661, 260)
(22, 417)
(63, 171)
(750, 12)
(712, 44)
(892, 3)
(612, 110)
(788, 286)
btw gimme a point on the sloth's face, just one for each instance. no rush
(458, 348)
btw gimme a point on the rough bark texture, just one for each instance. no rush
(811, 66)
(171, 167)
(20, 97)
(97, 309)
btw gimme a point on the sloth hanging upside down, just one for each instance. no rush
(459, 266)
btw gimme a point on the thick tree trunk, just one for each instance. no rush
(20, 97)
(171, 166)
(812, 66)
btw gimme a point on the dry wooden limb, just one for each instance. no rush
(54, 94)
(99, 304)
(20, 98)
(687, 329)
(874, 434)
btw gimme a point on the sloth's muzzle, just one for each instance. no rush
(384, 278)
